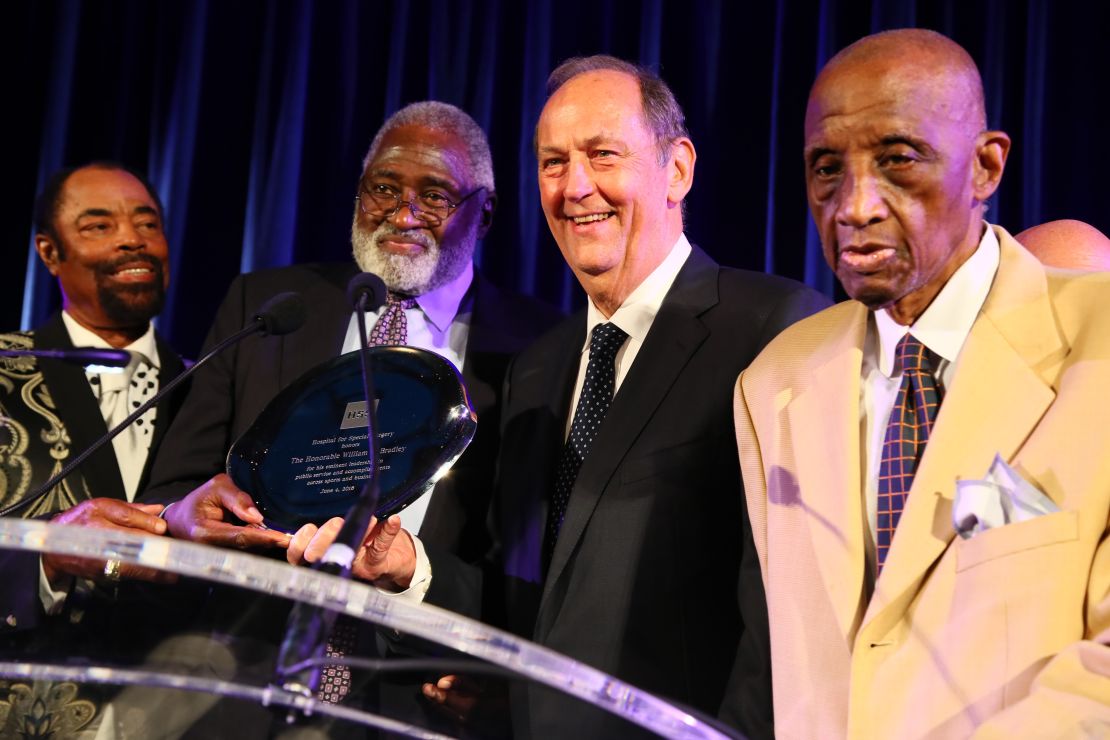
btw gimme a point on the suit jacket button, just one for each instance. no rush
(10, 620)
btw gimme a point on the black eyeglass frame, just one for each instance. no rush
(429, 217)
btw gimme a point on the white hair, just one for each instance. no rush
(446, 118)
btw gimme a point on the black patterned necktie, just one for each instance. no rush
(907, 431)
(593, 404)
(392, 327)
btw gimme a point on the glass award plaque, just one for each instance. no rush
(305, 458)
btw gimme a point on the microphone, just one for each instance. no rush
(282, 314)
(87, 356)
(366, 284)
(366, 292)
(308, 626)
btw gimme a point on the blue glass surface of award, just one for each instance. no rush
(305, 459)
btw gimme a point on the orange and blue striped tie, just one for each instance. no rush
(911, 422)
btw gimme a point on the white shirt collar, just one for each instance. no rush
(442, 304)
(637, 313)
(82, 337)
(944, 326)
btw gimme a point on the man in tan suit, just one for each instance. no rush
(885, 622)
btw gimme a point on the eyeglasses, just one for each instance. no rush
(431, 207)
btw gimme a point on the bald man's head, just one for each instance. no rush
(1072, 245)
(898, 166)
(914, 58)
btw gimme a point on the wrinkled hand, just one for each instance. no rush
(106, 513)
(386, 558)
(202, 517)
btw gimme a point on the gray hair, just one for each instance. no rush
(662, 113)
(448, 119)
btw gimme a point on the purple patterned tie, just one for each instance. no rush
(907, 431)
(335, 679)
(392, 327)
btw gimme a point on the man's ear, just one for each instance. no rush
(485, 217)
(680, 175)
(49, 252)
(991, 150)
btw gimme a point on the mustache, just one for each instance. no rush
(109, 267)
(387, 229)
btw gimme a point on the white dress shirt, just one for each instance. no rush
(439, 322)
(634, 317)
(943, 329)
(132, 460)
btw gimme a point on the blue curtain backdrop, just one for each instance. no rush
(252, 117)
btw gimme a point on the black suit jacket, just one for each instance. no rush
(77, 410)
(643, 576)
(231, 390)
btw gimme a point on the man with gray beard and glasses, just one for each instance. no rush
(425, 198)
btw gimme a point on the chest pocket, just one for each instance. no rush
(1000, 542)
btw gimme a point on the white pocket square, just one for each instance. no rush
(1002, 497)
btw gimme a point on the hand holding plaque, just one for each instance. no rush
(305, 459)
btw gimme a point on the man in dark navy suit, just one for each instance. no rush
(620, 523)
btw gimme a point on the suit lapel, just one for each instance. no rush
(485, 338)
(1000, 389)
(484, 333)
(542, 383)
(826, 455)
(78, 410)
(675, 335)
(322, 336)
(552, 384)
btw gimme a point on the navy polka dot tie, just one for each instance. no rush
(593, 404)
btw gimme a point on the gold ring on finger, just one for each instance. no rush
(112, 570)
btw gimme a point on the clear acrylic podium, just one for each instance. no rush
(503, 651)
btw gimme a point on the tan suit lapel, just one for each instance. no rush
(1000, 390)
(828, 455)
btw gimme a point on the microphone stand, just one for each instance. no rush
(259, 324)
(298, 666)
(358, 518)
(87, 356)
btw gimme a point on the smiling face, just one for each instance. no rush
(613, 210)
(108, 252)
(412, 257)
(897, 169)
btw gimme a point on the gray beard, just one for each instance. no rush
(412, 275)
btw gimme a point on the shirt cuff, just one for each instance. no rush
(53, 600)
(421, 577)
